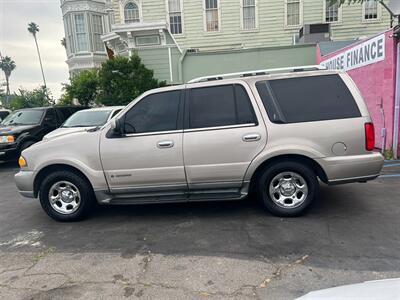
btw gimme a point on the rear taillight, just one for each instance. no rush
(369, 137)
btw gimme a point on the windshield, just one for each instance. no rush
(23, 117)
(87, 118)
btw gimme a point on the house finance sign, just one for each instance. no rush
(366, 53)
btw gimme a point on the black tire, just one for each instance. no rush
(86, 199)
(274, 170)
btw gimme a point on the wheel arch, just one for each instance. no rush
(41, 175)
(315, 166)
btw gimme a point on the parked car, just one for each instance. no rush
(385, 289)
(84, 119)
(219, 139)
(4, 113)
(22, 128)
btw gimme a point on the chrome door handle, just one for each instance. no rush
(253, 137)
(165, 144)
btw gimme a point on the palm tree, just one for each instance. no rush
(33, 28)
(7, 65)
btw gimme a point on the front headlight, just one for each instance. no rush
(7, 139)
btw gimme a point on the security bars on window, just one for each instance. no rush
(212, 18)
(249, 14)
(293, 12)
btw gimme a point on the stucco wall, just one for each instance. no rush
(377, 85)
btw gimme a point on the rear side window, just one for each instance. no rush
(220, 106)
(307, 99)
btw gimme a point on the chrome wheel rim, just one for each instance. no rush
(64, 197)
(288, 190)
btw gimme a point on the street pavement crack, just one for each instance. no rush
(278, 272)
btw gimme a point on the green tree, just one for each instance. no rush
(83, 87)
(33, 28)
(36, 98)
(7, 65)
(122, 79)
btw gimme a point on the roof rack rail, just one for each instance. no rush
(257, 72)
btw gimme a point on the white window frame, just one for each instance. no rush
(300, 15)
(149, 44)
(379, 14)
(242, 15)
(205, 18)
(69, 34)
(93, 16)
(182, 17)
(339, 14)
(85, 20)
(122, 10)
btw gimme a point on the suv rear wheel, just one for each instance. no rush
(66, 196)
(288, 188)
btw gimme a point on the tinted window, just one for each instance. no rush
(50, 117)
(157, 112)
(243, 106)
(64, 113)
(3, 114)
(306, 99)
(219, 106)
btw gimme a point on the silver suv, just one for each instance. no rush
(275, 133)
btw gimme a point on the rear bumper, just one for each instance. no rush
(24, 181)
(355, 168)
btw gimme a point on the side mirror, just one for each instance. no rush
(116, 126)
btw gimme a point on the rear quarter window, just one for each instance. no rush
(307, 99)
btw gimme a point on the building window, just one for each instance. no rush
(249, 14)
(81, 34)
(175, 16)
(370, 11)
(69, 34)
(148, 40)
(293, 12)
(111, 18)
(131, 13)
(97, 32)
(212, 15)
(331, 11)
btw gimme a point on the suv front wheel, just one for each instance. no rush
(66, 196)
(288, 188)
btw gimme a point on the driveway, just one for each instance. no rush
(225, 250)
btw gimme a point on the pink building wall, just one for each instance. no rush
(377, 84)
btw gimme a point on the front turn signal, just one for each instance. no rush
(22, 162)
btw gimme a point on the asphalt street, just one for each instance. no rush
(215, 250)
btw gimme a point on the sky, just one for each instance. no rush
(18, 43)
